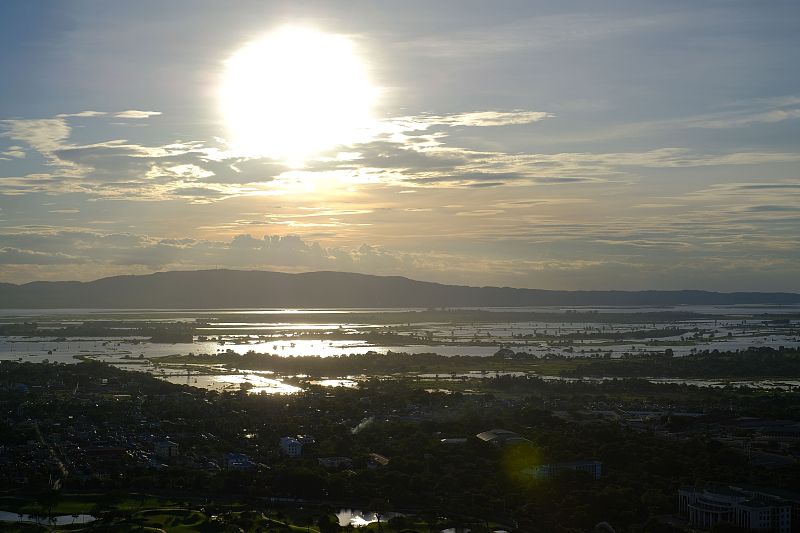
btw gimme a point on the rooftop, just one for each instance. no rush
(500, 436)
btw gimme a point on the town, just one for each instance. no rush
(512, 454)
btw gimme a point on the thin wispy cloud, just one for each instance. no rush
(43, 135)
(537, 32)
(137, 114)
(82, 114)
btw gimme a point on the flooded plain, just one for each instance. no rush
(126, 338)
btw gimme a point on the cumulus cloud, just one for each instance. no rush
(111, 168)
(446, 166)
(406, 151)
(283, 252)
(524, 199)
(52, 253)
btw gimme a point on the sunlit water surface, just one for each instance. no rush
(299, 339)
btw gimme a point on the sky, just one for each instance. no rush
(558, 145)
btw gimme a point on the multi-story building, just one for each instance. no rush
(166, 449)
(291, 446)
(748, 509)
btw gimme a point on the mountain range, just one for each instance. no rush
(221, 289)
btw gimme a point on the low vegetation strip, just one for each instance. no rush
(747, 364)
(751, 363)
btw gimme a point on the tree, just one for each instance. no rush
(326, 524)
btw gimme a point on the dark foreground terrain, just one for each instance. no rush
(138, 454)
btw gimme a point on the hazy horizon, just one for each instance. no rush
(568, 146)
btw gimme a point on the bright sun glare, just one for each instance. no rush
(295, 93)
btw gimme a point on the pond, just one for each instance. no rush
(62, 520)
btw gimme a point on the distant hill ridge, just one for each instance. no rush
(216, 289)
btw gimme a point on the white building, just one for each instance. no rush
(755, 511)
(291, 446)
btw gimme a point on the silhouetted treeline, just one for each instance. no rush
(615, 335)
(369, 363)
(751, 363)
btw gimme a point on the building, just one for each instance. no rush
(375, 460)
(166, 449)
(291, 446)
(748, 509)
(237, 461)
(305, 439)
(792, 497)
(501, 437)
(549, 471)
(335, 462)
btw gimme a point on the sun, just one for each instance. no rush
(294, 93)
